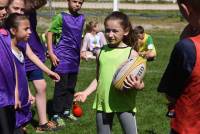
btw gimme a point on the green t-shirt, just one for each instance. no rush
(108, 99)
(56, 28)
(147, 44)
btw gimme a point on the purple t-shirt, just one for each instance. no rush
(35, 43)
(23, 115)
(7, 72)
(68, 48)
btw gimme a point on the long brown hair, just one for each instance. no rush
(131, 38)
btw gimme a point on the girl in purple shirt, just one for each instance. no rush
(19, 28)
(34, 74)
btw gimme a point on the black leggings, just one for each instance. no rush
(64, 93)
(7, 120)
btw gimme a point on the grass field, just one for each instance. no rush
(151, 106)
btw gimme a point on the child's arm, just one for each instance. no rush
(82, 96)
(84, 46)
(53, 57)
(40, 64)
(55, 28)
(17, 100)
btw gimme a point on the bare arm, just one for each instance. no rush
(85, 43)
(40, 64)
(53, 57)
(84, 47)
(82, 96)
(91, 88)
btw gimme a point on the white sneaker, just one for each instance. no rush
(72, 117)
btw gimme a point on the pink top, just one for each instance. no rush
(92, 42)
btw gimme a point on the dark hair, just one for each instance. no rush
(138, 30)
(90, 25)
(13, 20)
(11, 1)
(131, 38)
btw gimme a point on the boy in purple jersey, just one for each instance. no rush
(7, 78)
(34, 74)
(65, 57)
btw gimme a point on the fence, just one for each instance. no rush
(136, 1)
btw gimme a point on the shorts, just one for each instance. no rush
(35, 75)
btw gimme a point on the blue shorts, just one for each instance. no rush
(35, 75)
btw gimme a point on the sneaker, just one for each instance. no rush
(60, 122)
(72, 117)
(68, 115)
(49, 126)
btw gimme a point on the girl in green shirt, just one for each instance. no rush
(109, 101)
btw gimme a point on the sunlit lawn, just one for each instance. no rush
(151, 106)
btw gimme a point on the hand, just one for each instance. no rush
(54, 76)
(80, 96)
(132, 82)
(84, 55)
(54, 59)
(31, 99)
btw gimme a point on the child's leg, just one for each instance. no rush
(71, 83)
(128, 122)
(40, 97)
(7, 120)
(60, 99)
(104, 122)
(36, 76)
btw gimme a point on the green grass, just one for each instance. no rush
(151, 106)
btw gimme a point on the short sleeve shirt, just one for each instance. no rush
(56, 28)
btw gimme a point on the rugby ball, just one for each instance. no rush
(133, 66)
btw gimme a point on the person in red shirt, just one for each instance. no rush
(181, 80)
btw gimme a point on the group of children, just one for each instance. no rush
(94, 40)
(22, 59)
(22, 36)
